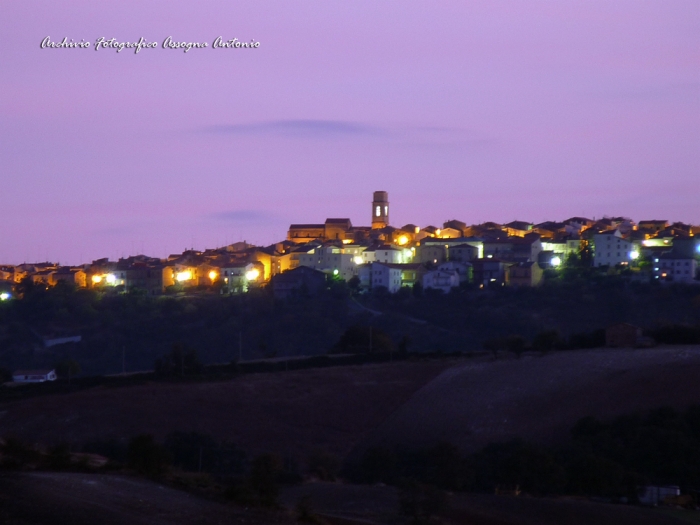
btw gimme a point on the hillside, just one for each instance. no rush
(289, 413)
(540, 398)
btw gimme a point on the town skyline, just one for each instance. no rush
(138, 249)
(476, 110)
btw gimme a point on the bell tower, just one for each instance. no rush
(380, 210)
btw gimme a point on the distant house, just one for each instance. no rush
(33, 376)
(443, 280)
(74, 276)
(525, 274)
(464, 270)
(301, 279)
(240, 277)
(623, 335)
(377, 275)
(610, 249)
(676, 268)
(490, 272)
(653, 226)
(431, 253)
(653, 495)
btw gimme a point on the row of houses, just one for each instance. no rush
(516, 253)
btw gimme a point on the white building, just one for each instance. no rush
(610, 249)
(239, 277)
(675, 269)
(464, 270)
(33, 376)
(443, 280)
(375, 275)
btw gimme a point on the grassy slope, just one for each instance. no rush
(289, 413)
(540, 398)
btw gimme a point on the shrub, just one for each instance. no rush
(146, 456)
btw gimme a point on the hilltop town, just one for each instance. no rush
(369, 257)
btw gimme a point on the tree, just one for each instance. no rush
(146, 456)
(421, 502)
(354, 284)
(515, 344)
(403, 345)
(324, 465)
(364, 340)
(67, 368)
(264, 477)
(547, 340)
(180, 362)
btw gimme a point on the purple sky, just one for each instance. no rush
(475, 110)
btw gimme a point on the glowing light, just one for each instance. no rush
(634, 255)
(184, 276)
(417, 229)
(111, 279)
(97, 279)
(697, 248)
(556, 261)
(335, 271)
(437, 232)
(489, 256)
(253, 274)
(663, 274)
(4, 296)
(213, 275)
(357, 259)
(347, 241)
(402, 240)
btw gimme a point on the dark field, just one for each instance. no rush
(342, 411)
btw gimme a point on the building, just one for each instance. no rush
(239, 277)
(332, 259)
(675, 268)
(431, 253)
(490, 272)
(380, 210)
(610, 249)
(377, 275)
(33, 376)
(303, 233)
(302, 280)
(390, 276)
(653, 226)
(525, 274)
(74, 276)
(514, 249)
(338, 230)
(443, 280)
(463, 269)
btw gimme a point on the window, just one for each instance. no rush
(378, 211)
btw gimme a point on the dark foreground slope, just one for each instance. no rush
(291, 413)
(39, 498)
(379, 504)
(540, 398)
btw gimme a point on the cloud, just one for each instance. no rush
(238, 216)
(299, 129)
